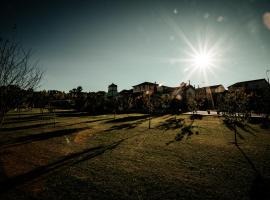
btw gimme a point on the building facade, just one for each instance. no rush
(145, 87)
(112, 90)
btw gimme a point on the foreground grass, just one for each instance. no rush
(75, 156)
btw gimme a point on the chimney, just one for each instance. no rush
(188, 82)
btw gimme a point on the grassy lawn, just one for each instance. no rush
(76, 156)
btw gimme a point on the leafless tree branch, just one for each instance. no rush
(16, 71)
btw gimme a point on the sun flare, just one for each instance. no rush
(202, 60)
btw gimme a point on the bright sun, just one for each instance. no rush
(202, 60)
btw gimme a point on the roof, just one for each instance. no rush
(212, 86)
(145, 83)
(113, 85)
(244, 83)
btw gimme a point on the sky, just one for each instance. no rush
(98, 42)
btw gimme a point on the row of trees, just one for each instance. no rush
(239, 102)
(98, 102)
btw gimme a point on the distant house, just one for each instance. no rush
(184, 91)
(208, 96)
(259, 84)
(126, 92)
(205, 92)
(165, 89)
(112, 90)
(259, 94)
(145, 87)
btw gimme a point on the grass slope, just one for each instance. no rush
(76, 156)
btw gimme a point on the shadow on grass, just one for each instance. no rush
(196, 116)
(128, 125)
(39, 137)
(264, 122)
(64, 162)
(26, 127)
(186, 132)
(71, 114)
(90, 121)
(171, 123)
(3, 175)
(122, 126)
(233, 127)
(13, 120)
(245, 127)
(128, 119)
(260, 187)
(17, 113)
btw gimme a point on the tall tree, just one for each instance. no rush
(17, 74)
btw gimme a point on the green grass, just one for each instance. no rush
(99, 157)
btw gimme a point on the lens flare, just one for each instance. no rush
(202, 60)
(201, 53)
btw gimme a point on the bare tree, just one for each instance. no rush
(17, 75)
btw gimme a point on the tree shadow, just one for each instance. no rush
(196, 116)
(26, 127)
(248, 160)
(36, 117)
(185, 132)
(245, 127)
(122, 126)
(71, 114)
(260, 187)
(127, 119)
(39, 137)
(127, 125)
(64, 162)
(229, 124)
(16, 114)
(262, 121)
(3, 175)
(171, 123)
(233, 127)
(89, 121)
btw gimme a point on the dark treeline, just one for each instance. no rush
(234, 101)
(100, 103)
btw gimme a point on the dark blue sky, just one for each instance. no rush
(95, 43)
